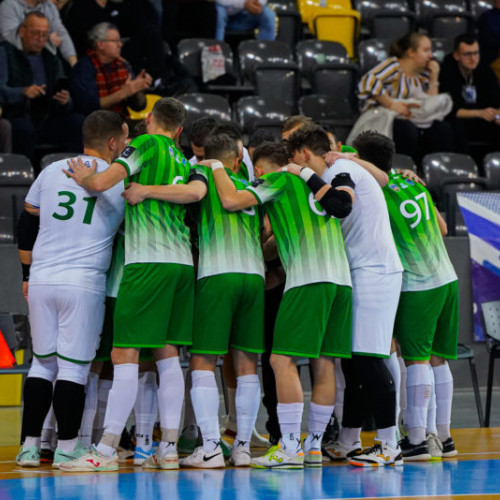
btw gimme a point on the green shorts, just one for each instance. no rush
(427, 323)
(229, 311)
(154, 306)
(315, 320)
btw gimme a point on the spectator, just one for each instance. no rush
(489, 37)
(103, 79)
(37, 109)
(242, 15)
(5, 132)
(12, 14)
(476, 95)
(410, 73)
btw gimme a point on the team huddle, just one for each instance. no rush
(367, 276)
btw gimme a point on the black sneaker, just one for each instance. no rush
(332, 430)
(414, 452)
(449, 449)
(46, 456)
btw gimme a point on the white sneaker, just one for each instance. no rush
(93, 461)
(61, 456)
(435, 447)
(201, 460)
(240, 454)
(276, 458)
(336, 451)
(378, 456)
(167, 462)
(28, 457)
(313, 457)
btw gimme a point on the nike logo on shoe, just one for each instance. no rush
(206, 459)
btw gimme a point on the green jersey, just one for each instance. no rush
(309, 241)
(155, 230)
(416, 233)
(229, 242)
(115, 271)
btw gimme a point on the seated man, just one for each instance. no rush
(475, 92)
(242, 15)
(103, 79)
(5, 132)
(36, 104)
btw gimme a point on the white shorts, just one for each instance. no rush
(375, 298)
(65, 320)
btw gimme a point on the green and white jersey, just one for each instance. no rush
(155, 230)
(229, 241)
(309, 241)
(416, 233)
(115, 271)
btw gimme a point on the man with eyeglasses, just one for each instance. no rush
(37, 104)
(476, 95)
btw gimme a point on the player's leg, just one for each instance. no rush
(229, 374)
(189, 438)
(392, 364)
(90, 407)
(105, 383)
(48, 438)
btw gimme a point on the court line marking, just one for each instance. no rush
(446, 495)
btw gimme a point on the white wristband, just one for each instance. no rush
(306, 173)
(216, 164)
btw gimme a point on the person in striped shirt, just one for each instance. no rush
(410, 72)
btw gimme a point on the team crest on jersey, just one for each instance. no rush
(394, 187)
(127, 152)
(410, 182)
(257, 182)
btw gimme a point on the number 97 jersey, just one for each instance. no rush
(77, 227)
(417, 235)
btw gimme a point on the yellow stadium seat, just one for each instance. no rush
(141, 114)
(308, 8)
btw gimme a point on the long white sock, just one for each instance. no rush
(102, 402)
(387, 436)
(393, 366)
(290, 418)
(205, 398)
(402, 389)
(121, 400)
(319, 416)
(418, 389)
(247, 405)
(189, 427)
(90, 410)
(170, 399)
(350, 436)
(444, 398)
(146, 409)
(232, 419)
(431, 412)
(339, 392)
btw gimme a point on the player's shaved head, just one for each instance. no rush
(375, 148)
(169, 113)
(312, 137)
(272, 152)
(221, 147)
(99, 127)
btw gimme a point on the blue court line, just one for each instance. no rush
(472, 477)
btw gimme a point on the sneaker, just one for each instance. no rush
(187, 444)
(124, 455)
(201, 460)
(92, 461)
(276, 458)
(332, 430)
(63, 456)
(449, 449)
(240, 454)
(46, 456)
(336, 451)
(28, 457)
(378, 456)
(257, 440)
(227, 427)
(414, 452)
(435, 447)
(141, 455)
(226, 448)
(313, 457)
(167, 462)
(401, 425)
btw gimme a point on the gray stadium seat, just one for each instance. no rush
(256, 112)
(441, 47)
(400, 161)
(199, 104)
(372, 52)
(491, 165)
(444, 18)
(53, 157)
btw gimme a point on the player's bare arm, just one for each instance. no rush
(89, 179)
(27, 232)
(443, 227)
(175, 193)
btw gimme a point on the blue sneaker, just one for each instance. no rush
(141, 455)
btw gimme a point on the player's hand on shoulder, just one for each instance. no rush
(410, 174)
(134, 193)
(292, 168)
(332, 156)
(78, 171)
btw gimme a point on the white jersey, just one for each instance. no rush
(246, 160)
(367, 229)
(77, 228)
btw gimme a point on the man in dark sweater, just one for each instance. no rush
(476, 95)
(36, 102)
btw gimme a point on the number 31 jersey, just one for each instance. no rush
(416, 233)
(77, 227)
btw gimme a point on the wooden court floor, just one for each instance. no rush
(474, 474)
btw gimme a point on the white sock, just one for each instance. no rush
(387, 436)
(232, 419)
(290, 418)
(247, 405)
(444, 397)
(339, 392)
(190, 427)
(402, 389)
(418, 389)
(31, 441)
(89, 411)
(121, 398)
(319, 416)
(393, 366)
(431, 412)
(67, 445)
(102, 402)
(48, 430)
(170, 394)
(205, 398)
(146, 410)
(350, 436)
